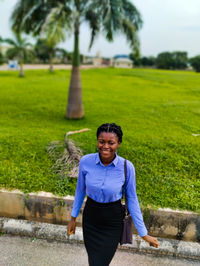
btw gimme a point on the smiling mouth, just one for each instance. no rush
(105, 151)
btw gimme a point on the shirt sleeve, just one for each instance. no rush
(80, 191)
(133, 204)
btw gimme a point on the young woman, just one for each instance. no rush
(101, 178)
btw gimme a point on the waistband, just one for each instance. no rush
(100, 204)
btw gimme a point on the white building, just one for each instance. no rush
(122, 62)
(97, 60)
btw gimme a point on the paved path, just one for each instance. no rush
(24, 251)
(46, 66)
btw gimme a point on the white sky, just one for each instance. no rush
(169, 25)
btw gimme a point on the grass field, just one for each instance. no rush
(157, 110)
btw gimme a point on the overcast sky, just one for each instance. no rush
(169, 25)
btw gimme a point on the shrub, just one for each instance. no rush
(174, 60)
(195, 63)
(1, 58)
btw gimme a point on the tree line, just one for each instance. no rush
(41, 52)
(168, 60)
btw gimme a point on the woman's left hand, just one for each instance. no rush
(153, 241)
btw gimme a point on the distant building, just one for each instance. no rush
(106, 61)
(4, 48)
(122, 61)
(97, 60)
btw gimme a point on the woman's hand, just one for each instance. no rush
(153, 241)
(71, 228)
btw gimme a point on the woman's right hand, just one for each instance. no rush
(71, 228)
(153, 241)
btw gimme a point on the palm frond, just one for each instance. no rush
(131, 13)
(56, 24)
(130, 31)
(28, 44)
(94, 23)
(12, 52)
(121, 16)
(110, 13)
(21, 9)
(84, 4)
(10, 42)
(30, 15)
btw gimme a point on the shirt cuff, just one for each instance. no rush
(143, 232)
(74, 213)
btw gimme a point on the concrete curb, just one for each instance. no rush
(48, 208)
(168, 247)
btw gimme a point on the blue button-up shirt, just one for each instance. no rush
(104, 184)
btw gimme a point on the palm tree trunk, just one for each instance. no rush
(21, 70)
(75, 105)
(51, 67)
(51, 62)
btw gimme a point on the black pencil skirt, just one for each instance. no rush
(102, 229)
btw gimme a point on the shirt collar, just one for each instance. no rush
(114, 162)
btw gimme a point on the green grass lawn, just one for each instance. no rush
(157, 110)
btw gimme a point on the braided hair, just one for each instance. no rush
(111, 127)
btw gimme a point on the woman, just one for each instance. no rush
(101, 177)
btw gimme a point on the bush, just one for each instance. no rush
(1, 58)
(136, 60)
(148, 61)
(181, 60)
(174, 60)
(195, 63)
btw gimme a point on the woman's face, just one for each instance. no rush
(107, 144)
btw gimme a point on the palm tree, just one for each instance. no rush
(110, 16)
(1, 56)
(46, 52)
(53, 33)
(19, 49)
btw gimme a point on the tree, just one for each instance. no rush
(1, 58)
(195, 63)
(148, 61)
(65, 56)
(180, 60)
(172, 60)
(1, 55)
(45, 52)
(136, 59)
(41, 50)
(110, 16)
(19, 49)
(165, 61)
(53, 33)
